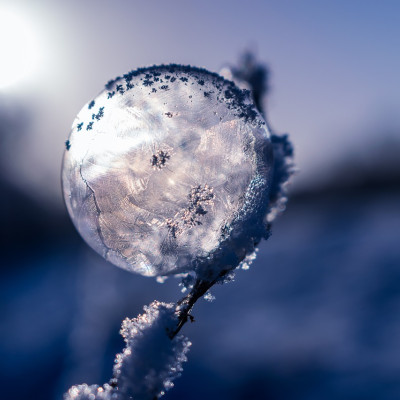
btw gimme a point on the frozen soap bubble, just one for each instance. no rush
(168, 170)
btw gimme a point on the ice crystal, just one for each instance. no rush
(91, 392)
(209, 296)
(171, 173)
(248, 260)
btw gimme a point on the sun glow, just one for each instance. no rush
(18, 49)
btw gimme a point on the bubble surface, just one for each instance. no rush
(168, 170)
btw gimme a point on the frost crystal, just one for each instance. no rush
(92, 392)
(168, 170)
(248, 260)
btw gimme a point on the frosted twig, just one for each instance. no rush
(185, 305)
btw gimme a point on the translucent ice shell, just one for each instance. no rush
(168, 170)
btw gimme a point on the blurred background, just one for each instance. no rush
(318, 313)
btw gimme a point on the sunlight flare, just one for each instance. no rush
(18, 48)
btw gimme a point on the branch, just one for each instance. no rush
(185, 305)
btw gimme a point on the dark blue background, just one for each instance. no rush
(318, 313)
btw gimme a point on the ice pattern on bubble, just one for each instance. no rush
(167, 170)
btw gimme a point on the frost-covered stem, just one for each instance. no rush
(149, 363)
(185, 305)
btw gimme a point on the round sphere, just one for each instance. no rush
(167, 170)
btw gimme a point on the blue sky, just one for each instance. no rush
(334, 66)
